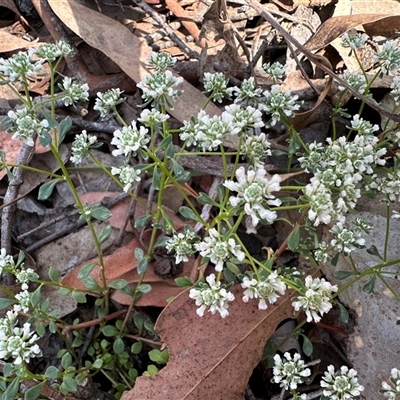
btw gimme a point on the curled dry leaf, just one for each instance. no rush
(374, 24)
(210, 357)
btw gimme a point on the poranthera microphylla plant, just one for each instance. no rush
(341, 171)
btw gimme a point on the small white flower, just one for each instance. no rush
(346, 240)
(355, 41)
(81, 146)
(255, 149)
(389, 57)
(342, 384)
(106, 102)
(275, 71)
(212, 296)
(129, 140)
(74, 92)
(23, 302)
(161, 61)
(5, 260)
(248, 92)
(20, 344)
(183, 245)
(217, 85)
(245, 118)
(265, 289)
(218, 249)
(52, 51)
(20, 65)
(362, 127)
(354, 79)
(255, 193)
(160, 87)
(288, 371)
(152, 117)
(127, 175)
(395, 86)
(24, 276)
(278, 103)
(26, 125)
(317, 298)
(392, 390)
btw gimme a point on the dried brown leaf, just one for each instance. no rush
(374, 24)
(210, 357)
(125, 49)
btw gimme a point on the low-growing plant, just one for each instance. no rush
(336, 175)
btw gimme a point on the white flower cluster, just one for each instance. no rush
(74, 92)
(129, 140)
(106, 102)
(52, 51)
(289, 372)
(338, 171)
(265, 288)
(279, 103)
(183, 245)
(395, 86)
(213, 296)
(161, 61)
(26, 125)
(219, 249)
(81, 146)
(388, 184)
(342, 384)
(255, 149)
(355, 80)
(127, 175)
(20, 65)
(317, 298)
(255, 194)
(388, 58)
(217, 85)
(248, 92)
(355, 41)
(275, 71)
(17, 343)
(392, 390)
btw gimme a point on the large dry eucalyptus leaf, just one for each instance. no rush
(125, 49)
(374, 24)
(210, 357)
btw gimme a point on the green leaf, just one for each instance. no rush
(118, 346)
(98, 363)
(233, 268)
(344, 314)
(4, 303)
(64, 291)
(91, 283)
(165, 142)
(160, 357)
(86, 270)
(8, 370)
(100, 213)
(335, 259)
(144, 288)
(142, 265)
(206, 199)
(139, 254)
(156, 182)
(369, 287)
(45, 139)
(133, 373)
(45, 305)
(269, 352)
(183, 281)
(51, 372)
(229, 276)
(137, 347)
(152, 370)
(340, 275)
(149, 326)
(11, 391)
(66, 360)
(170, 151)
(374, 251)
(80, 297)
(110, 331)
(36, 296)
(294, 238)
(69, 383)
(34, 392)
(46, 189)
(139, 323)
(51, 121)
(141, 221)
(54, 275)
(52, 327)
(307, 346)
(105, 233)
(188, 213)
(64, 126)
(118, 284)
